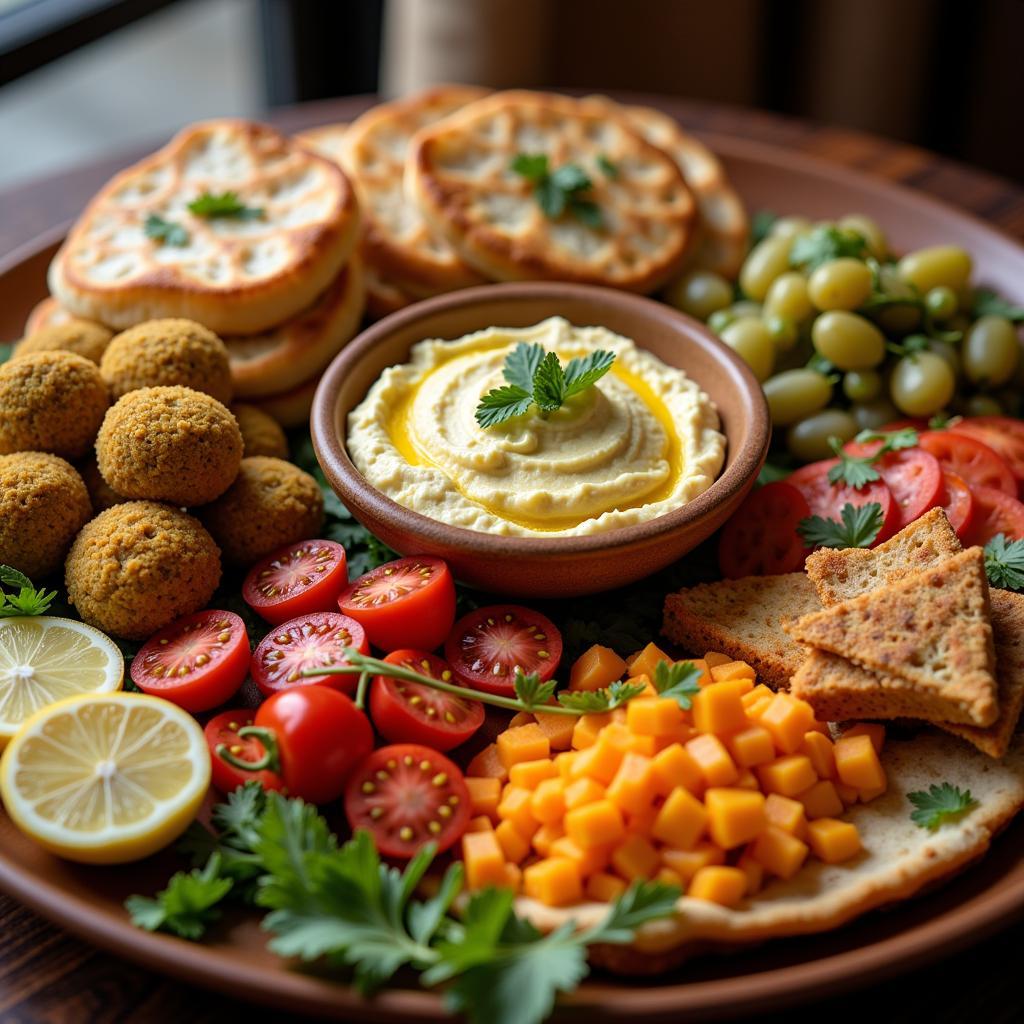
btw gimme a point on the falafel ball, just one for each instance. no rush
(270, 504)
(51, 402)
(43, 505)
(137, 567)
(261, 433)
(169, 444)
(102, 495)
(160, 353)
(83, 337)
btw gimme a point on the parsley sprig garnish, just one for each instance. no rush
(987, 302)
(859, 526)
(27, 600)
(940, 804)
(165, 231)
(224, 204)
(859, 470)
(535, 377)
(343, 905)
(825, 243)
(1004, 562)
(561, 190)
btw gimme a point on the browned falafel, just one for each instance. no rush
(169, 444)
(137, 567)
(101, 494)
(270, 504)
(43, 505)
(83, 337)
(161, 353)
(261, 433)
(51, 402)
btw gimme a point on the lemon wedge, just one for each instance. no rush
(44, 659)
(105, 778)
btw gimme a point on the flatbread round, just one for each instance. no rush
(290, 408)
(235, 275)
(459, 171)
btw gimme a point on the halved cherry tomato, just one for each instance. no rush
(827, 499)
(958, 502)
(407, 712)
(296, 580)
(761, 539)
(996, 513)
(222, 730)
(406, 603)
(197, 662)
(913, 476)
(1003, 435)
(486, 647)
(312, 737)
(970, 459)
(407, 795)
(307, 641)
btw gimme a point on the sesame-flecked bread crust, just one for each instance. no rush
(234, 275)
(743, 618)
(932, 629)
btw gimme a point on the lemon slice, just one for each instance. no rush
(45, 659)
(105, 778)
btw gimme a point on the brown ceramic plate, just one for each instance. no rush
(985, 897)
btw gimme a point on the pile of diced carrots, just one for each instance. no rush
(744, 786)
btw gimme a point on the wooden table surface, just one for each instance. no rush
(48, 976)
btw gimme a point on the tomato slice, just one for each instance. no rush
(403, 604)
(958, 502)
(222, 730)
(996, 513)
(407, 712)
(1003, 435)
(970, 459)
(486, 647)
(912, 474)
(305, 642)
(761, 539)
(827, 499)
(406, 795)
(197, 662)
(296, 580)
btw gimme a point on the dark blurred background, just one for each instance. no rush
(79, 78)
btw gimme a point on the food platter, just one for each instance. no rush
(88, 901)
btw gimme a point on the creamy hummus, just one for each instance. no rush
(643, 441)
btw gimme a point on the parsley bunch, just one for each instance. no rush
(859, 470)
(858, 527)
(27, 600)
(1004, 562)
(560, 190)
(535, 377)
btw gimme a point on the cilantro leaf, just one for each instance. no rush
(939, 804)
(1004, 562)
(521, 364)
(532, 166)
(500, 404)
(859, 527)
(608, 168)
(187, 906)
(559, 190)
(587, 212)
(677, 680)
(549, 384)
(531, 691)
(987, 302)
(859, 470)
(893, 440)
(28, 600)
(612, 696)
(825, 243)
(640, 903)
(571, 178)
(166, 231)
(550, 198)
(224, 204)
(581, 372)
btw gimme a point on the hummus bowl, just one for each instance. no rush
(540, 566)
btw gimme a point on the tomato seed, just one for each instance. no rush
(405, 834)
(440, 779)
(425, 766)
(444, 812)
(434, 827)
(369, 787)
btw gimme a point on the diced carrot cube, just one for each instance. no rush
(703, 671)
(778, 852)
(754, 695)
(716, 766)
(747, 780)
(604, 888)
(513, 877)
(599, 762)
(644, 680)
(595, 824)
(669, 877)
(646, 661)
(529, 774)
(865, 796)
(557, 728)
(832, 840)
(754, 871)
(857, 763)
(681, 820)
(658, 716)
(548, 803)
(523, 743)
(515, 807)
(487, 765)
(873, 729)
(788, 720)
(587, 728)
(686, 863)
(715, 658)
(546, 836)
(483, 859)
(821, 800)
(520, 718)
(718, 709)
(583, 791)
(594, 858)
(596, 668)
(750, 746)
(847, 794)
(635, 858)
(563, 762)
(514, 845)
(718, 884)
(733, 670)
(787, 775)
(484, 795)
(632, 788)
(555, 882)
(735, 816)
(481, 823)
(787, 814)
(642, 821)
(756, 708)
(645, 745)
(673, 767)
(819, 749)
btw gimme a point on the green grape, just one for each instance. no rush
(765, 262)
(869, 230)
(746, 308)
(699, 293)
(937, 265)
(991, 351)
(720, 319)
(862, 385)
(790, 227)
(848, 341)
(941, 302)
(795, 394)
(788, 297)
(922, 384)
(783, 331)
(840, 284)
(808, 439)
(875, 413)
(950, 353)
(982, 405)
(748, 337)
